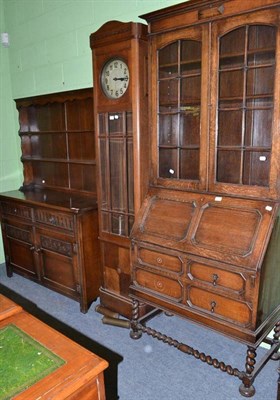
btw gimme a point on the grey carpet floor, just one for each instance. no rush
(146, 368)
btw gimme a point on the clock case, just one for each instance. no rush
(122, 144)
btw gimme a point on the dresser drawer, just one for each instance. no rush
(17, 210)
(60, 220)
(216, 277)
(157, 259)
(219, 306)
(160, 285)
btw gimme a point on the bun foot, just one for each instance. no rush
(247, 391)
(135, 335)
(168, 314)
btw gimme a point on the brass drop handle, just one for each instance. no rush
(213, 305)
(215, 279)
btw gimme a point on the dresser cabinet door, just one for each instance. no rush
(58, 262)
(19, 248)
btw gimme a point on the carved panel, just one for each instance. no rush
(18, 233)
(58, 246)
(59, 220)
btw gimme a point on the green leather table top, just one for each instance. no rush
(23, 361)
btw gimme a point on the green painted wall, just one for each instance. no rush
(49, 49)
(49, 52)
(10, 166)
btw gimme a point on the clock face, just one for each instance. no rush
(115, 78)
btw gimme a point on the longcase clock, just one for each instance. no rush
(119, 52)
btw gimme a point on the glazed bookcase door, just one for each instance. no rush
(244, 146)
(116, 169)
(179, 104)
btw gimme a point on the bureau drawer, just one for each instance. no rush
(217, 277)
(159, 284)
(17, 210)
(60, 220)
(161, 260)
(219, 306)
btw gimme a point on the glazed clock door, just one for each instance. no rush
(116, 169)
(244, 145)
(179, 104)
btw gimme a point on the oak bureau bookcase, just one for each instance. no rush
(50, 225)
(206, 241)
(119, 54)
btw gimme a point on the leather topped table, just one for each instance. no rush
(77, 375)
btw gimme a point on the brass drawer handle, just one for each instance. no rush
(159, 260)
(213, 305)
(215, 279)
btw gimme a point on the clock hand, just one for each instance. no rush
(120, 79)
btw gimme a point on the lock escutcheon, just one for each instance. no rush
(213, 305)
(215, 279)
